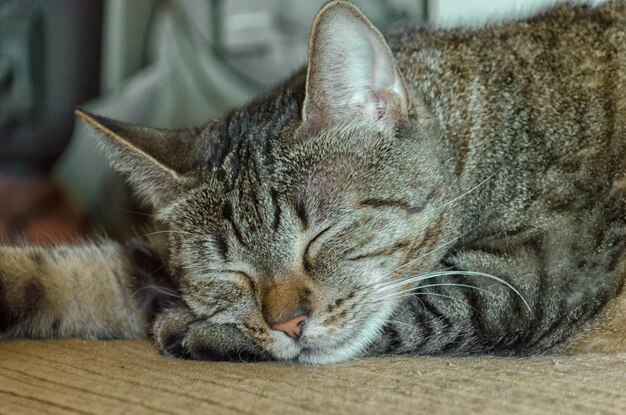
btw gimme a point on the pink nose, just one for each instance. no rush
(292, 328)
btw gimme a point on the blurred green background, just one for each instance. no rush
(162, 63)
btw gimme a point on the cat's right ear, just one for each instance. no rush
(352, 75)
(158, 163)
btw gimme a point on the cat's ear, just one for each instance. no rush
(352, 75)
(158, 163)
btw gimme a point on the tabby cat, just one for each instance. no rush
(439, 192)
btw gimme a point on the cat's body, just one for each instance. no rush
(543, 105)
(469, 198)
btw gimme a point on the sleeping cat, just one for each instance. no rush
(438, 192)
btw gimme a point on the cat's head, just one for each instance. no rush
(291, 218)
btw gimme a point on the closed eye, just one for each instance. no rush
(311, 250)
(228, 274)
(243, 275)
(248, 280)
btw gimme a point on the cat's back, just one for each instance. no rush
(546, 92)
(580, 36)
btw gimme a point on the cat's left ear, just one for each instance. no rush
(352, 75)
(158, 163)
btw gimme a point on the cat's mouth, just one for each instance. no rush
(317, 347)
(346, 347)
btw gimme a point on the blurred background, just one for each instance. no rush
(162, 63)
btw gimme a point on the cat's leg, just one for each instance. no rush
(88, 291)
(179, 333)
(548, 296)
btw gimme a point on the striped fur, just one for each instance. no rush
(453, 192)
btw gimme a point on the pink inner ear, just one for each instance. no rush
(352, 73)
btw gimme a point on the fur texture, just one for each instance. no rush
(447, 192)
(97, 291)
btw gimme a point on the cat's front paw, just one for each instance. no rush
(170, 328)
(179, 333)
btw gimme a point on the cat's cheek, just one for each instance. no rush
(355, 345)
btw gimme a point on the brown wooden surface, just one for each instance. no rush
(67, 376)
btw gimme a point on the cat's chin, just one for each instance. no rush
(284, 348)
(320, 356)
(350, 347)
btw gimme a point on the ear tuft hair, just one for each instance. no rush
(157, 162)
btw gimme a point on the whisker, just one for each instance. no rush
(168, 231)
(414, 289)
(418, 278)
(158, 289)
(418, 294)
(470, 190)
(125, 210)
(427, 253)
(401, 323)
(414, 260)
(453, 239)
